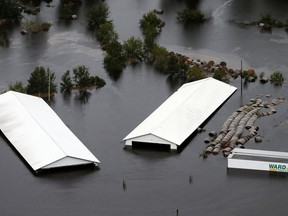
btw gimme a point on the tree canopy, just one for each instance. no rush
(40, 81)
(10, 10)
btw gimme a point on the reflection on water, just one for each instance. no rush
(4, 40)
(83, 96)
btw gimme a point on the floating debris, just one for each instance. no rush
(239, 127)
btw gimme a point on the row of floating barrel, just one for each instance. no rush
(239, 128)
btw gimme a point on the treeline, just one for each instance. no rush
(135, 50)
(42, 82)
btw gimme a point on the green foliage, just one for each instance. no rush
(66, 85)
(262, 74)
(81, 76)
(277, 78)
(194, 73)
(169, 63)
(114, 61)
(114, 65)
(161, 63)
(267, 19)
(177, 70)
(67, 11)
(190, 16)
(82, 79)
(133, 48)
(203, 154)
(149, 43)
(97, 14)
(97, 81)
(18, 87)
(105, 34)
(161, 60)
(10, 10)
(115, 49)
(159, 51)
(32, 25)
(38, 83)
(219, 74)
(149, 23)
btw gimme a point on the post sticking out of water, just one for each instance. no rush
(49, 86)
(241, 77)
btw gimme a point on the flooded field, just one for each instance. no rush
(147, 182)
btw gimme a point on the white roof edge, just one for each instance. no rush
(40, 139)
(195, 86)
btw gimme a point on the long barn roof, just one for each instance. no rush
(38, 134)
(184, 111)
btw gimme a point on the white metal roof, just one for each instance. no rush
(258, 153)
(183, 112)
(38, 134)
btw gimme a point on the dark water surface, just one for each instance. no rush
(146, 182)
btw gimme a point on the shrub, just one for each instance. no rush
(66, 85)
(105, 34)
(150, 22)
(10, 10)
(99, 82)
(190, 16)
(267, 19)
(133, 48)
(97, 15)
(220, 75)
(194, 73)
(81, 76)
(67, 11)
(18, 87)
(277, 78)
(114, 65)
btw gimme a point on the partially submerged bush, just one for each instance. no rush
(194, 73)
(277, 78)
(18, 87)
(97, 15)
(190, 16)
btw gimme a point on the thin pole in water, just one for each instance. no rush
(241, 77)
(49, 86)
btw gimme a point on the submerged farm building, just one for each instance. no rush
(181, 114)
(39, 135)
(262, 160)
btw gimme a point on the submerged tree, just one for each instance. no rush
(66, 85)
(97, 14)
(106, 34)
(220, 74)
(190, 16)
(83, 79)
(18, 87)
(40, 81)
(194, 73)
(150, 22)
(81, 76)
(114, 61)
(10, 10)
(133, 48)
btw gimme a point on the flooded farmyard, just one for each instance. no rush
(145, 181)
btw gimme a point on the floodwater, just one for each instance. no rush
(146, 182)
